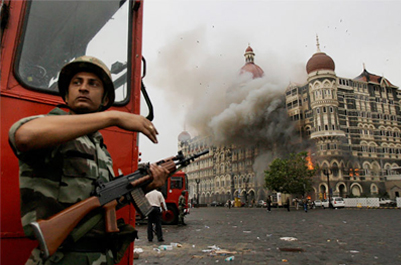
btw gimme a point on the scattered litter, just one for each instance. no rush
(341, 243)
(197, 257)
(258, 238)
(247, 232)
(354, 251)
(230, 258)
(292, 249)
(234, 226)
(214, 247)
(225, 252)
(288, 238)
(328, 240)
(206, 226)
(269, 235)
(344, 222)
(174, 245)
(166, 247)
(193, 246)
(284, 260)
(197, 230)
(157, 250)
(138, 250)
(179, 245)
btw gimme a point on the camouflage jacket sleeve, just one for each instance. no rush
(55, 178)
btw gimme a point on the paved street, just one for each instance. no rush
(255, 236)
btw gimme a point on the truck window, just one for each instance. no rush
(57, 32)
(176, 183)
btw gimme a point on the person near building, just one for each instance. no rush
(287, 204)
(268, 204)
(61, 155)
(181, 208)
(229, 204)
(156, 200)
(296, 203)
(305, 201)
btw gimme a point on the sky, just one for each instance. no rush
(195, 49)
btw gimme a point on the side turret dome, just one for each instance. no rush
(184, 136)
(319, 61)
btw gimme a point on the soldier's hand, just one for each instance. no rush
(134, 123)
(159, 175)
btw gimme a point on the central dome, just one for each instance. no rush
(250, 66)
(320, 61)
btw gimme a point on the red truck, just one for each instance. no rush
(171, 192)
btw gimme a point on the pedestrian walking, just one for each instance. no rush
(268, 203)
(156, 200)
(305, 205)
(287, 204)
(229, 204)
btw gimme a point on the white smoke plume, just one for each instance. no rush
(235, 109)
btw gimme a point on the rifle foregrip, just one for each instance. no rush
(110, 215)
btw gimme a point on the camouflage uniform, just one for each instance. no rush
(181, 207)
(55, 178)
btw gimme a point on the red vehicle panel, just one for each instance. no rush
(20, 98)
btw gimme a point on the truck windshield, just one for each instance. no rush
(56, 32)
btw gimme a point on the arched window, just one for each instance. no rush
(335, 169)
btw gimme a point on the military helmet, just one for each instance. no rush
(183, 192)
(87, 64)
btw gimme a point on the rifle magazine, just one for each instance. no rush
(140, 202)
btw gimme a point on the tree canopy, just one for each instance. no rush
(290, 175)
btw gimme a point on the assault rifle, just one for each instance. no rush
(52, 232)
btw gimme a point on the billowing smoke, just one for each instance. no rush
(233, 108)
(259, 119)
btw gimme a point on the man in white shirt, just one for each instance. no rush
(156, 200)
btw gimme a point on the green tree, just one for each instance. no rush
(291, 175)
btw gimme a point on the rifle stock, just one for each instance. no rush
(51, 233)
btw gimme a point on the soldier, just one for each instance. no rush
(181, 207)
(61, 155)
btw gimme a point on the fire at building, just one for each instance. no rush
(349, 126)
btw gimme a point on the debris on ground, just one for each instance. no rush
(288, 238)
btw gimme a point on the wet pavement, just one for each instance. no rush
(255, 236)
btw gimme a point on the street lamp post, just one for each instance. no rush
(197, 191)
(327, 172)
(246, 192)
(232, 186)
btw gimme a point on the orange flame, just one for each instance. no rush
(309, 162)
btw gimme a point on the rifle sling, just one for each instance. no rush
(85, 227)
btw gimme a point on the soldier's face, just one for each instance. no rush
(85, 93)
